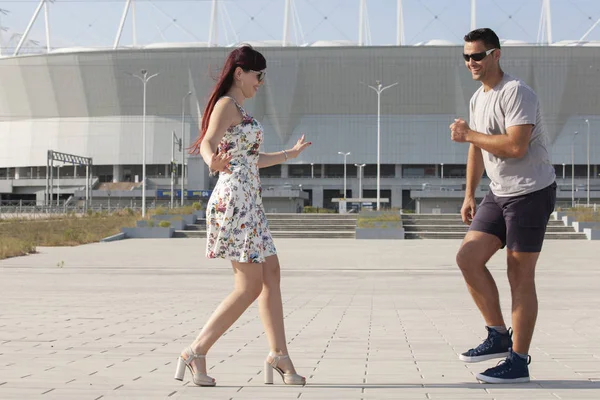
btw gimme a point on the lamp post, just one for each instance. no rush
(174, 141)
(145, 79)
(183, 144)
(573, 169)
(345, 155)
(58, 185)
(379, 89)
(360, 168)
(587, 121)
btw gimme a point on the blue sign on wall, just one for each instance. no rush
(188, 194)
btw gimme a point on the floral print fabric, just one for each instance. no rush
(236, 224)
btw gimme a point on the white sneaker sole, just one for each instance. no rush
(488, 379)
(482, 358)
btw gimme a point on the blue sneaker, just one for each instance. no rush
(512, 370)
(497, 345)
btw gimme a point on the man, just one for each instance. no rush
(506, 138)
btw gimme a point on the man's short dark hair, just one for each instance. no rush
(486, 35)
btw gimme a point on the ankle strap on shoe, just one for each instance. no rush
(276, 358)
(191, 356)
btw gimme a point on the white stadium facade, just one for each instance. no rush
(84, 102)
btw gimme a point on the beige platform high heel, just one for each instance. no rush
(288, 379)
(198, 378)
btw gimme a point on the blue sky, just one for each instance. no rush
(93, 23)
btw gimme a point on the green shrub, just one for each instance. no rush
(164, 224)
(160, 211)
(379, 219)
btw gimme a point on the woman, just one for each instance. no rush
(237, 227)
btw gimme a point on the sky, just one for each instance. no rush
(94, 23)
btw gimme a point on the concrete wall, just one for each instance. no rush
(86, 104)
(439, 206)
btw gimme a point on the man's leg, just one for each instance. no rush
(521, 276)
(476, 250)
(526, 220)
(485, 237)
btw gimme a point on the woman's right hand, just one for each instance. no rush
(220, 163)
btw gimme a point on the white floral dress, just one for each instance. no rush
(236, 224)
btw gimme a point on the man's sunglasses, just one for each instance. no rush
(477, 56)
(260, 75)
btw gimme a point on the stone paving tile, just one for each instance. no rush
(365, 320)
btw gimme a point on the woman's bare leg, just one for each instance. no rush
(248, 286)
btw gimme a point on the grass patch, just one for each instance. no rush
(583, 214)
(379, 219)
(317, 210)
(185, 210)
(21, 237)
(13, 247)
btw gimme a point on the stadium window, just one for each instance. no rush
(418, 171)
(271, 172)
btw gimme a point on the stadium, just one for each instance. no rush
(67, 110)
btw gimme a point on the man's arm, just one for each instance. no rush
(475, 168)
(513, 144)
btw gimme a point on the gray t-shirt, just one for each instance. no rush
(511, 103)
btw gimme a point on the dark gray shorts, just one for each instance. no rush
(519, 222)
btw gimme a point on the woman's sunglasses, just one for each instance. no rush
(260, 75)
(477, 56)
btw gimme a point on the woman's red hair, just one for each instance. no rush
(244, 57)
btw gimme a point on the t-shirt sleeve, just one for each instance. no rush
(471, 119)
(520, 106)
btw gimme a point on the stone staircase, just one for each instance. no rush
(299, 226)
(450, 226)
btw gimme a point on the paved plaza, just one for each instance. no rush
(365, 320)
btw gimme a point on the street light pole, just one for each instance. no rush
(587, 121)
(58, 185)
(183, 144)
(573, 170)
(360, 167)
(379, 89)
(145, 79)
(345, 155)
(171, 167)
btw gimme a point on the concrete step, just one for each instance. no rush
(430, 216)
(282, 234)
(464, 228)
(460, 235)
(456, 221)
(274, 226)
(312, 216)
(190, 234)
(196, 227)
(307, 227)
(312, 222)
(314, 235)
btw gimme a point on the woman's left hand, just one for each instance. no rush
(299, 147)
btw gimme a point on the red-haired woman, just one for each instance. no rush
(237, 228)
